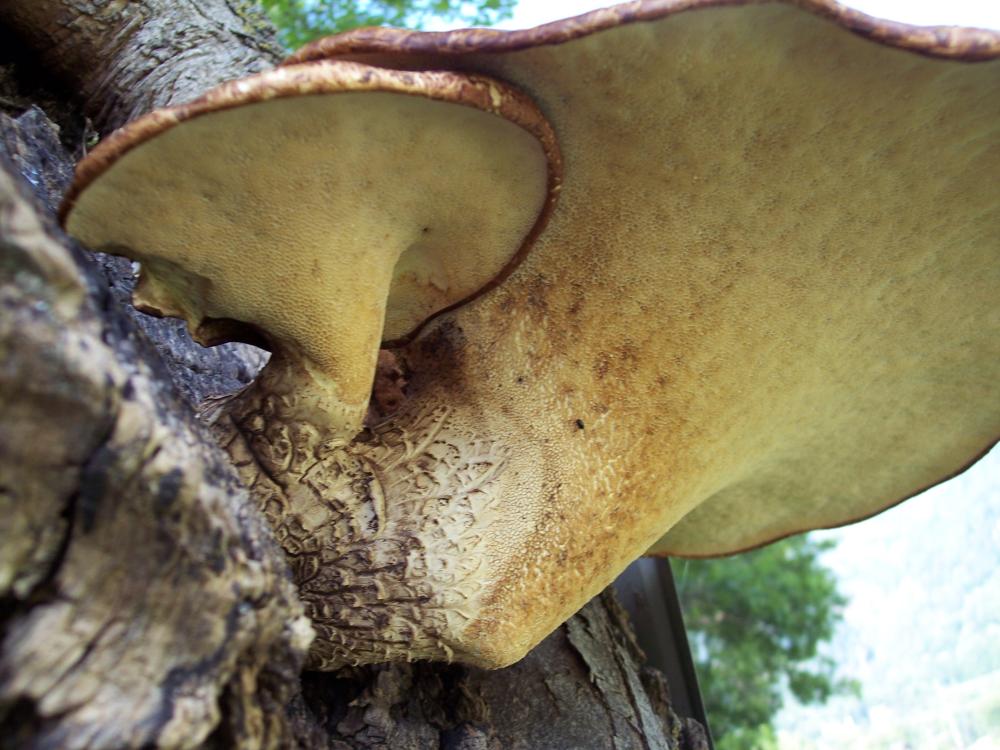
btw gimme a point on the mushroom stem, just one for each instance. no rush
(390, 536)
(293, 411)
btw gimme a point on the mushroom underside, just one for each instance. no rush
(765, 302)
(320, 211)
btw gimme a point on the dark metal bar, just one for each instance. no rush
(646, 589)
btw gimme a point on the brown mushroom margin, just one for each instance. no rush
(950, 42)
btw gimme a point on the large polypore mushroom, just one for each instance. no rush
(765, 302)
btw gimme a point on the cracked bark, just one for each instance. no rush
(135, 580)
(144, 600)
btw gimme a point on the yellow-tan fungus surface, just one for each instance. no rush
(322, 209)
(764, 302)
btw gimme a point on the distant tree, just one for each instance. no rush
(755, 622)
(300, 21)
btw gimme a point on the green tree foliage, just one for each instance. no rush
(755, 622)
(300, 21)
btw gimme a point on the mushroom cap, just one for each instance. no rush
(766, 301)
(294, 179)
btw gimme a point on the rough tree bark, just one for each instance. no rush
(144, 602)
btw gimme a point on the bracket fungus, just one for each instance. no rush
(320, 209)
(764, 302)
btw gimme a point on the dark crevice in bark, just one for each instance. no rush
(24, 84)
(21, 723)
(46, 590)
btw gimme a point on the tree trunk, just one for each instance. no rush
(145, 602)
(121, 59)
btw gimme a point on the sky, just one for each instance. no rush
(981, 13)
